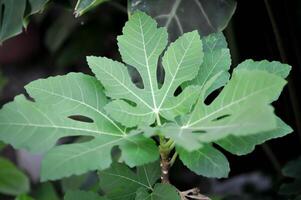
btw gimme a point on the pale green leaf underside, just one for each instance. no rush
(12, 180)
(121, 183)
(37, 126)
(140, 46)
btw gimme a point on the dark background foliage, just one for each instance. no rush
(56, 43)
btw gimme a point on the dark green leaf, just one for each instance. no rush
(46, 191)
(181, 16)
(160, 192)
(23, 197)
(12, 180)
(121, 183)
(11, 18)
(206, 161)
(83, 6)
(82, 195)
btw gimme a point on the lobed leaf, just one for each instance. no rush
(140, 46)
(37, 126)
(240, 109)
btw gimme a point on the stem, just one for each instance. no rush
(164, 166)
(164, 154)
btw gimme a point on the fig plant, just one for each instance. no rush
(151, 122)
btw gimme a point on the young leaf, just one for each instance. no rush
(12, 180)
(36, 126)
(121, 183)
(217, 60)
(140, 46)
(160, 192)
(82, 195)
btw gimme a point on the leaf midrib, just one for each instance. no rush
(147, 66)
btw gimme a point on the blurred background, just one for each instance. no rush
(55, 42)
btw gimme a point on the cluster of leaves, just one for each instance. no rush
(293, 188)
(110, 110)
(15, 14)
